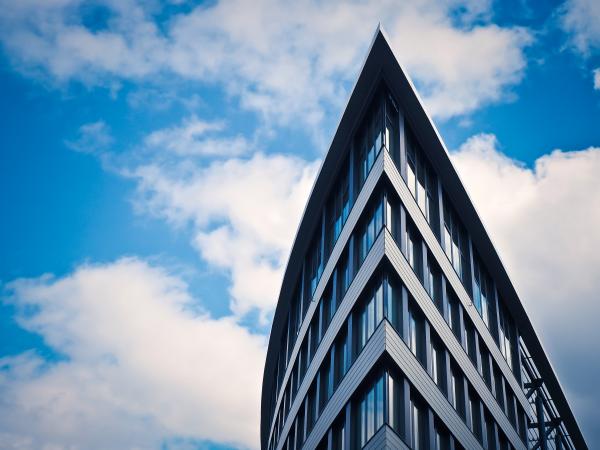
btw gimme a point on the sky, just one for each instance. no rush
(155, 160)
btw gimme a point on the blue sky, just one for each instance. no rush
(137, 137)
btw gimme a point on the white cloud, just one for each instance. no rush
(195, 137)
(581, 18)
(285, 60)
(596, 74)
(139, 368)
(545, 222)
(244, 214)
(93, 137)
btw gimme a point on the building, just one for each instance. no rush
(397, 325)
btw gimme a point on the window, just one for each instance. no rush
(328, 309)
(441, 436)
(470, 341)
(393, 299)
(294, 377)
(311, 408)
(475, 415)
(314, 265)
(435, 361)
(343, 278)
(371, 406)
(482, 290)
(433, 281)
(315, 334)
(420, 178)
(370, 230)
(413, 249)
(394, 401)
(438, 364)
(326, 387)
(510, 407)
(370, 141)
(485, 364)
(499, 386)
(415, 339)
(457, 390)
(303, 359)
(300, 425)
(342, 357)
(505, 327)
(338, 207)
(417, 425)
(453, 313)
(412, 332)
(397, 392)
(489, 431)
(391, 127)
(294, 320)
(370, 315)
(455, 240)
(338, 435)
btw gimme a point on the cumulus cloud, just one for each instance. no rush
(581, 18)
(243, 212)
(139, 364)
(457, 69)
(545, 221)
(284, 60)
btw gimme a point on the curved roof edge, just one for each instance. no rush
(381, 59)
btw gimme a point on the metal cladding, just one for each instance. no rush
(397, 325)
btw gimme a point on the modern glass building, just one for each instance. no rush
(397, 325)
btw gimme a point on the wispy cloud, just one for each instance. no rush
(195, 137)
(596, 74)
(93, 137)
(581, 19)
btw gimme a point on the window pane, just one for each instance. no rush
(447, 243)
(421, 183)
(412, 333)
(411, 178)
(379, 404)
(416, 426)
(379, 304)
(393, 422)
(435, 364)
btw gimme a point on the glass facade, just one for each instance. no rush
(370, 411)
(314, 359)
(455, 240)
(370, 229)
(371, 314)
(482, 290)
(420, 178)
